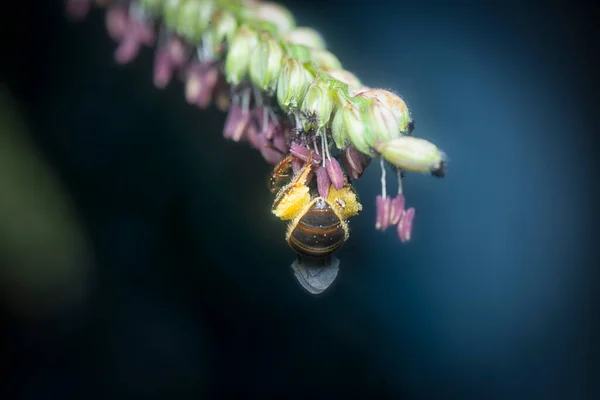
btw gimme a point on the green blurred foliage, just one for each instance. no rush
(44, 255)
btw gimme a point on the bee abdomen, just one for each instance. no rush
(318, 233)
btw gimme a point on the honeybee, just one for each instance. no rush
(318, 227)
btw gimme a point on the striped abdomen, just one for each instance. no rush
(319, 232)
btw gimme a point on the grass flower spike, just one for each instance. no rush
(290, 98)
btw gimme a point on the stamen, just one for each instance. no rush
(323, 148)
(245, 101)
(265, 119)
(327, 153)
(383, 188)
(399, 176)
(298, 123)
(274, 118)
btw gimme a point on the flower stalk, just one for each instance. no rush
(284, 92)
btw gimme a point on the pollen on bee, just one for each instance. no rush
(292, 203)
(345, 202)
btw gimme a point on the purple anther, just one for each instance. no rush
(405, 225)
(323, 182)
(271, 154)
(77, 10)
(383, 206)
(163, 68)
(297, 165)
(207, 87)
(236, 123)
(117, 21)
(303, 153)
(354, 162)
(275, 149)
(259, 113)
(193, 82)
(127, 50)
(271, 130)
(178, 51)
(254, 136)
(397, 209)
(334, 169)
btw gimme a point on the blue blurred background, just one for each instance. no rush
(189, 292)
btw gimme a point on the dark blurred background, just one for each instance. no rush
(140, 259)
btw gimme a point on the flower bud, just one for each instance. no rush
(299, 52)
(152, 7)
(325, 60)
(413, 154)
(265, 63)
(171, 13)
(356, 130)
(294, 81)
(381, 124)
(338, 131)
(319, 102)
(224, 25)
(393, 102)
(346, 77)
(238, 55)
(276, 14)
(193, 19)
(306, 36)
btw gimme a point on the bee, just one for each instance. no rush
(318, 227)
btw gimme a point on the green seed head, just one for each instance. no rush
(339, 133)
(325, 59)
(393, 102)
(193, 19)
(356, 129)
(381, 124)
(318, 101)
(306, 37)
(294, 81)
(238, 55)
(346, 77)
(276, 14)
(171, 13)
(265, 63)
(299, 52)
(412, 154)
(153, 7)
(224, 25)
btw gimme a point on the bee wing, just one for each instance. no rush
(316, 275)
